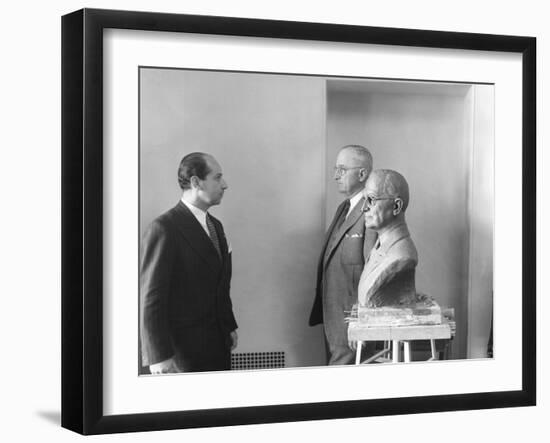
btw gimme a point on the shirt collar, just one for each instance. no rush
(354, 200)
(199, 214)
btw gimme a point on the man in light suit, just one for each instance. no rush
(186, 316)
(389, 275)
(346, 245)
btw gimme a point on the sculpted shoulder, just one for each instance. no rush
(404, 249)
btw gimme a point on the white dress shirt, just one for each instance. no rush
(353, 202)
(200, 215)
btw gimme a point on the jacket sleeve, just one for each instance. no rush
(226, 312)
(229, 322)
(157, 261)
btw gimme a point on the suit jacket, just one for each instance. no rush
(389, 275)
(341, 261)
(184, 288)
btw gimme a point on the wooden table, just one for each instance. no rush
(360, 332)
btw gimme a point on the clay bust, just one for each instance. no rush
(388, 277)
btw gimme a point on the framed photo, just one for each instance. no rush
(270, 106)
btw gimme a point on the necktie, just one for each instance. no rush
(342, 211)
(213, 234)
(343, 215)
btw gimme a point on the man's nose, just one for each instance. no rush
(224, 184)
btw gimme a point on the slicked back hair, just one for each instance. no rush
(194, 164)
(362, 155)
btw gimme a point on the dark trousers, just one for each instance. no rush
(209, 351)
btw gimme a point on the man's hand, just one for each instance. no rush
(234, 339)
(164, 367)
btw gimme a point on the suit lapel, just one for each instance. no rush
(195, 235)
(375, 256)
(351, 219)
(379, 251)
(221, 239)
(329, 232)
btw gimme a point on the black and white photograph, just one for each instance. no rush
(287, 221)
(275, 221)
(292, 221)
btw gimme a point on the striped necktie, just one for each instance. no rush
(213, 234)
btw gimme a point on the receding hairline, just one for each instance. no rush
(392, 183)
(359, 153)
(194, 164)
(204, 156)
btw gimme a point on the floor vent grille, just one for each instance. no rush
(257, 360)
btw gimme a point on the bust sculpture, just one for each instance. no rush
(388, 277)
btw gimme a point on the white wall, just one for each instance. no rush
(481, 215)
(30, 235)
(268, 133)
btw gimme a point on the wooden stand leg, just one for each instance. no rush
(358, 353)
(434, 353)
(395, 351)
(407, 348)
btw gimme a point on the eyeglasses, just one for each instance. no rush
(370, 201)
(341, 170)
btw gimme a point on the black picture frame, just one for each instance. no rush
(82, 218)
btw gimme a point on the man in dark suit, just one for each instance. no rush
(186, 316)
(346, 245)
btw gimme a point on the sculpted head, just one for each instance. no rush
(386, 199)
(353, 166)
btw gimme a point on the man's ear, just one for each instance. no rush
(363, 175)
(397, 206)
(195, 182)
